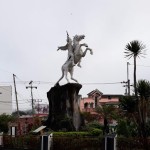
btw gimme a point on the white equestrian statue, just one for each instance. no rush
(75, 54)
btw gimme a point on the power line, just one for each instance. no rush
(46, 82)
(140, 65)
(5, 102)
(6, 71)
(102, 83)
(3, 87)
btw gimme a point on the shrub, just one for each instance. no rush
(96, 132)
(92, 132)
(71, 134)
(94, 124)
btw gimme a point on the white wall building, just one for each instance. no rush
(5, 99)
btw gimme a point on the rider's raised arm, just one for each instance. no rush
(63, 47)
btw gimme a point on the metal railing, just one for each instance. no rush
(71, 143)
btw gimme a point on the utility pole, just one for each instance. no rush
(127, 83)
(17, 103)
(38, 100)
(128, 80)
(124, 82)
(31, 87)
(16, 94)
(128, 87)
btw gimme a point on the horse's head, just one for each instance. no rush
(79, 37)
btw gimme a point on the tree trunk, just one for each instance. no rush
(135, 89)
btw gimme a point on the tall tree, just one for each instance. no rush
(128, 108)
(4, 120)
(107, 112)
(134, 49)
(129, 105)
(143, 90)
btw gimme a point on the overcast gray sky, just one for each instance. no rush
(31, 31)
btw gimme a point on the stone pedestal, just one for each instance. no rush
(64, 112)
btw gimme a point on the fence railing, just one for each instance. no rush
(133, 143)
(22, 142)
(72, 143)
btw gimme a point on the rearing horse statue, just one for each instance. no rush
(75, 54)
(78, 52)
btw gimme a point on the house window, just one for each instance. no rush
(91, 105)
(109, 97)
(96, 101)
(85, 105)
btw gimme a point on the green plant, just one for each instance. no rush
(96, 132)
(4, 120)
(94, 124)
(71, 134)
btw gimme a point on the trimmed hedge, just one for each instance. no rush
(77, 143)
(92, 132)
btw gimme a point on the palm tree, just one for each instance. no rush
(106, 111)
(143, 90)
(134, 49)
(128, 107)
(128, 104)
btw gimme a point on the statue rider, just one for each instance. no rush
(68, 47)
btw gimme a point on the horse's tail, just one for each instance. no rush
(62, 69)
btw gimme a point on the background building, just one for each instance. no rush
(96, 98)
(5, 99)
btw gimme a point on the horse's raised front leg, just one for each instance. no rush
(91, 51)
(84, 53)
(84, 44)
